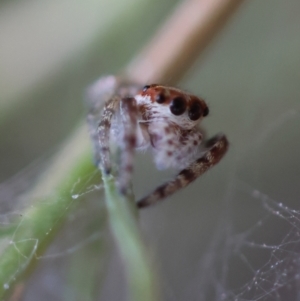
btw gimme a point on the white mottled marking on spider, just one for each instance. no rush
(156, 117)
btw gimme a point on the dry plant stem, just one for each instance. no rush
(166, 59)
(178, 43)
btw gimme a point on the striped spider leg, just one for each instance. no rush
(173, 118)
(113, 116)
(162, 119)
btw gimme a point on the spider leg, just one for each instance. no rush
(128, 143)
(217, 147)
(103, 133)
(95, 98)
(108, 95)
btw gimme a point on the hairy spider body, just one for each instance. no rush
(156, 117)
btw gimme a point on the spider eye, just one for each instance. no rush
(146, 88)
(178, 106)
(160, 98)
(195, 111)
(206, 111)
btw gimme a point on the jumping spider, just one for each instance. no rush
(163, 119)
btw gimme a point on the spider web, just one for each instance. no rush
(68, 242)
(254, 252)
(239, 266)
(251, 252)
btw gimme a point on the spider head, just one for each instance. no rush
(161, 102)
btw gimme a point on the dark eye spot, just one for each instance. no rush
(146, 88)
(160, 98)
(178, 106)
(195, 110)
(206, 111)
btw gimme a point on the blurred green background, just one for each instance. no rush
(233, 234)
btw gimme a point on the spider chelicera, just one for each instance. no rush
(156, 117)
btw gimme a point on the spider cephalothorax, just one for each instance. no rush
(160, 102)
(162, 119)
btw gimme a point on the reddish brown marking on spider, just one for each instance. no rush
(164, 120)
(178, 101)
(167, 130)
